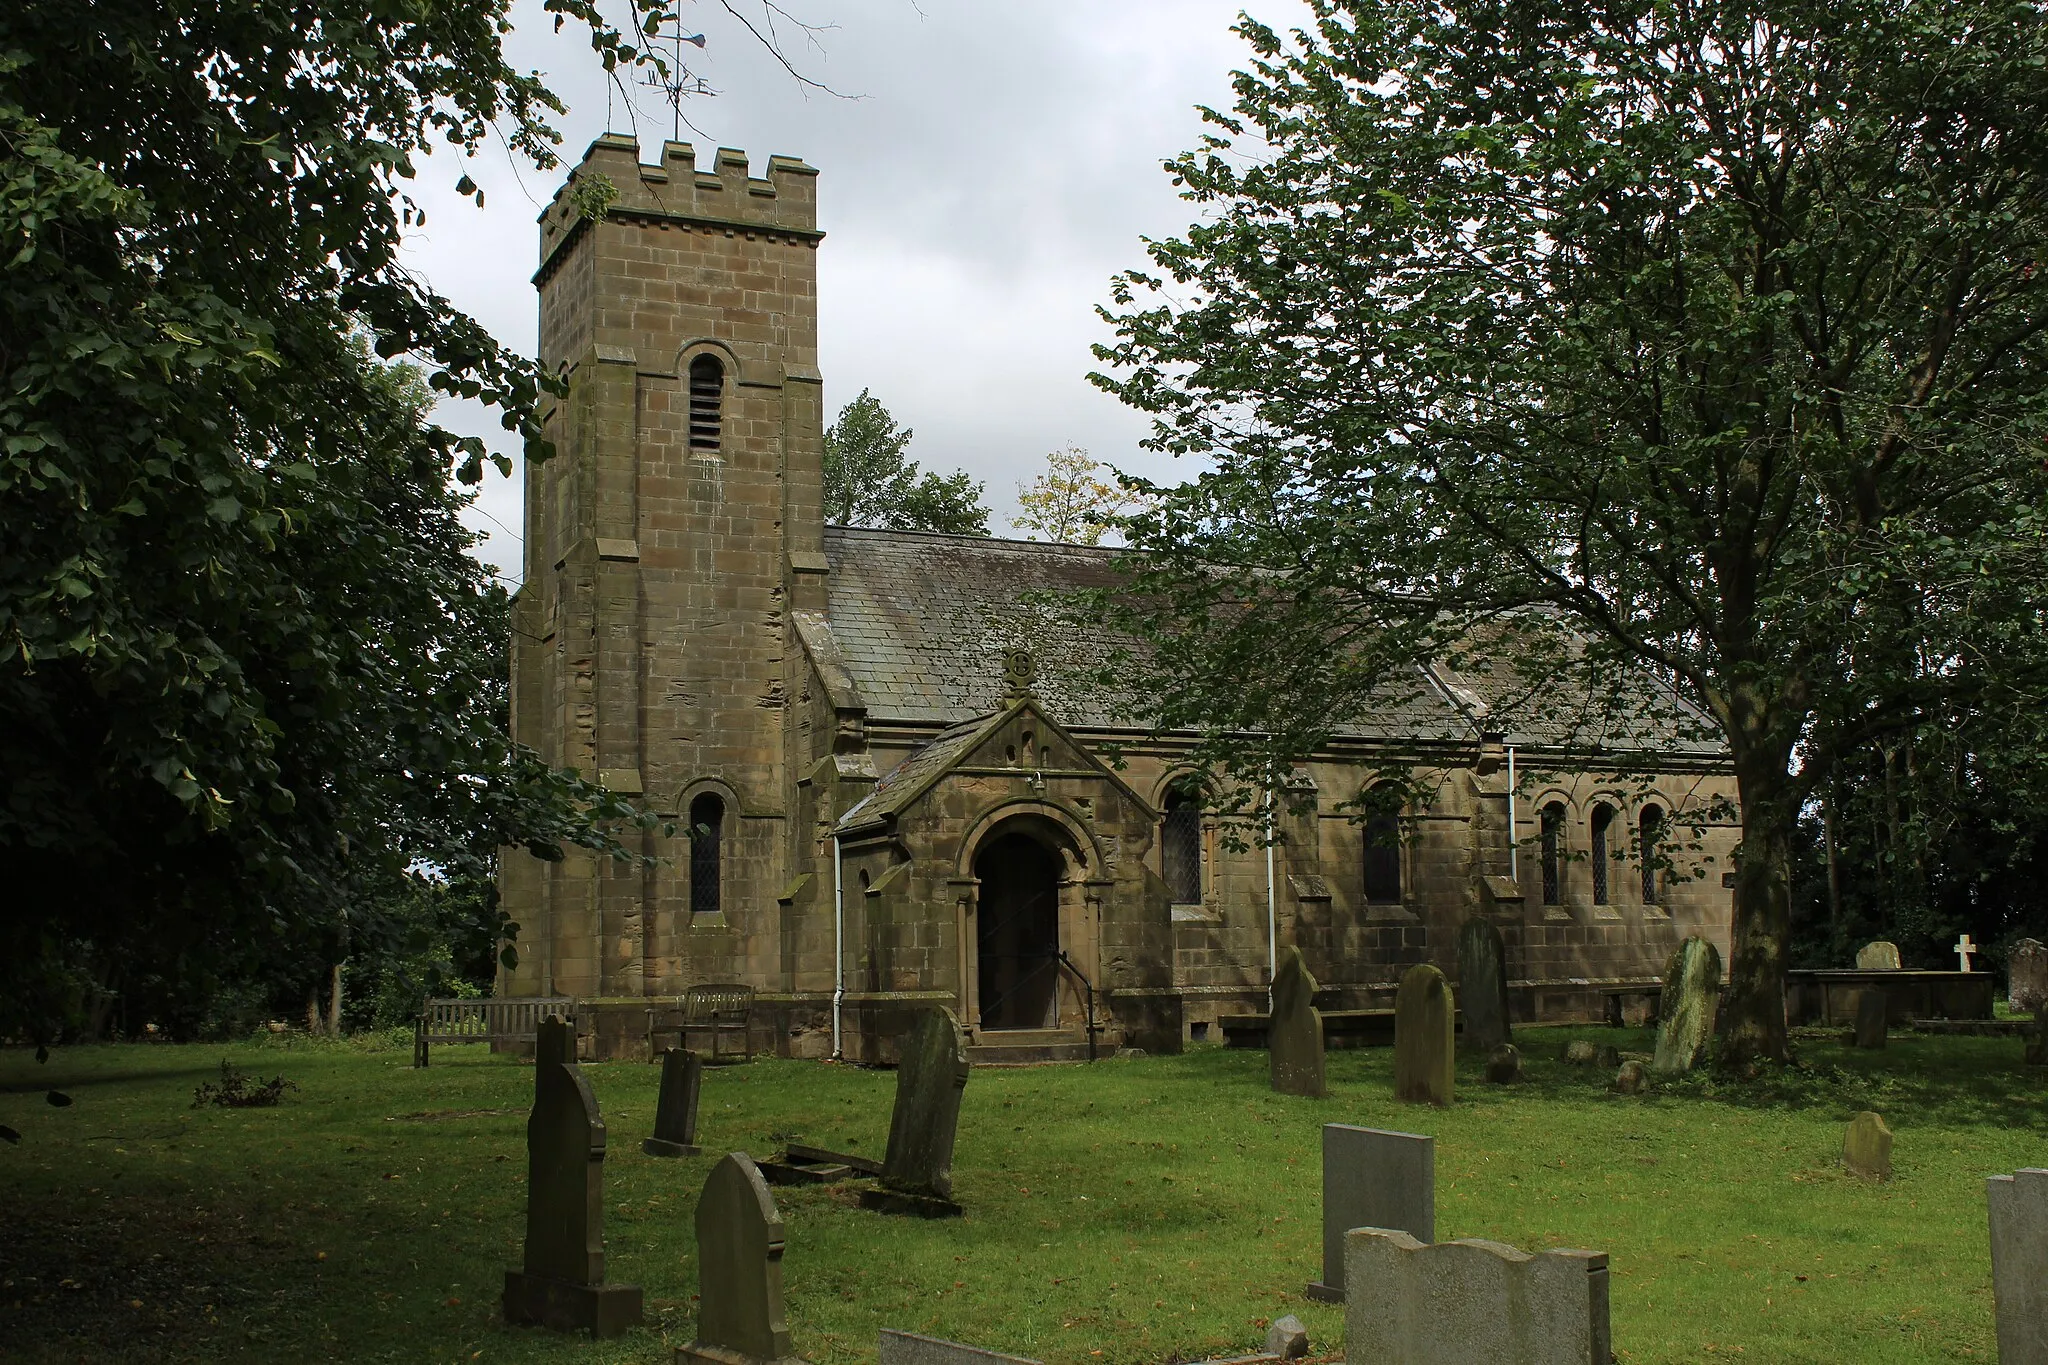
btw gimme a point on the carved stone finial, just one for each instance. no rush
(1019, 671)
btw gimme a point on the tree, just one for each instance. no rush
(869, 481)
(1705, 339)
(251, 674)
(1071, 503)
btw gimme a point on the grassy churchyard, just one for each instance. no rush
(1142, 1210)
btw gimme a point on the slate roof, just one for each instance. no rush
(921, 621)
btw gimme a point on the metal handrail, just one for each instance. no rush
(1088, 987)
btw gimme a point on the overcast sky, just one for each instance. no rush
(996, 165)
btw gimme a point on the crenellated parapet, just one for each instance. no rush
(676, 190)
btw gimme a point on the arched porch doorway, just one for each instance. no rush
(1018, 932)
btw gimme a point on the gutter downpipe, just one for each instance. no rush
(1514, 868)
(1272, 913)
(838, 946)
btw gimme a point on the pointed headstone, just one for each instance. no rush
(1871, 1007)
(740, 1319)
(1880, 956)
(561, 1282)
(1425, 1018)
(1483, 985)
(931, 1072)
(1294, 1037)
(1867, 1147)
(1692, 992)
(675, 1111)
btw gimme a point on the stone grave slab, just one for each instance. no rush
(2026, 968)
(1867, 1147)
(909, 1348)
(2019, 1265)
(1692, 985)
(1372, 1178)
(1294, 1039)
(1483, 985)
(675, 1109)
(1880, 956)
(560, 1284)
(1455, 1303)
(1872, 1006)
(917, 1170)
(1424, 1020)
(740, 1318)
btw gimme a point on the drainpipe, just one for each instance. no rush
(838, 946)
(1272, 913)
(1513, 864)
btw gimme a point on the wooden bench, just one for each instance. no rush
(721, 1011)
(483, 1021)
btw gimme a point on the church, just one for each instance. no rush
(891, 781)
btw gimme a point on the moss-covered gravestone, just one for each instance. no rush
(1294, 1036)
(1424, 1020)
(1871, 1008)
(1881, 956)
(740, 1319)
(931, 1071)
(1867, 1147)
(675, 1109)
(561, 1284)
(1483, 985)
(1692, 991)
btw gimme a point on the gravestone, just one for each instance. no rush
(1372, 1179)
(1504, 1064)
(1867, 1147)
(739, 1271)
(1871, 1007)
(1692, 991)
(1287, 1339)
(1456, 1303)
(1294, 1036)
(1881, 956)
(1424, 1017)
(2037, 1037)
(675, 1110)
(931, 1071)
(1579, 1052)
(2019, 1265)
(1483, 985)
(908, 1348)
(2026, 987)
(561, 1283)
(1630, 1079)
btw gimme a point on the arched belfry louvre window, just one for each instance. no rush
(707, 397)
(1603, 824)
(1553, 852)
(1180, 844)
(1383, 847)
(707, 838)
(1652, 830)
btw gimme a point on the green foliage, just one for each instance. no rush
(1701, 339)
(869, 481)
(235, 1090)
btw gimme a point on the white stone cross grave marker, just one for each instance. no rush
(1963, 950)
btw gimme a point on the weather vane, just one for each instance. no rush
(673, 79)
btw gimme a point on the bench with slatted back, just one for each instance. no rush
(483, 1021)
(721, 1011)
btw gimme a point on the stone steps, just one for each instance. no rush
(1029, 1046)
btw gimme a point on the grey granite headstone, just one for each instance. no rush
(1692, 992)
(1867, 1147)
(931, 1072)
(908, 1348)
(740, 1319)
(2019, 1265)
(675, 1110)
(1871, 1007)
(1424, 1019)
(1483, 985)
(2026, 984)
(1294, 1036)
(1456, 1303)
(1372, 1179)
(561, 1283)
(1880, 956)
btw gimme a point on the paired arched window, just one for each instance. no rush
(1603, 824)
(1180, 844)
(707, 835)
(1383, 849)
(1652, 830)
(707, 397)
(1553, 852)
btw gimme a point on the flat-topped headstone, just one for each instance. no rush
(2026, 986)
(1372, 1178)
(1692, 992)
(908, 1348)
(1455, 1303)
(560, 1284)
(1880, 956)
(1294, 1038)
(1483, 984)
(740, 1319)
(931, 1073)
(1872, 1007)
(675, 1109)
(2019, 1265)
(1424, 1019)
(1867, 1147)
